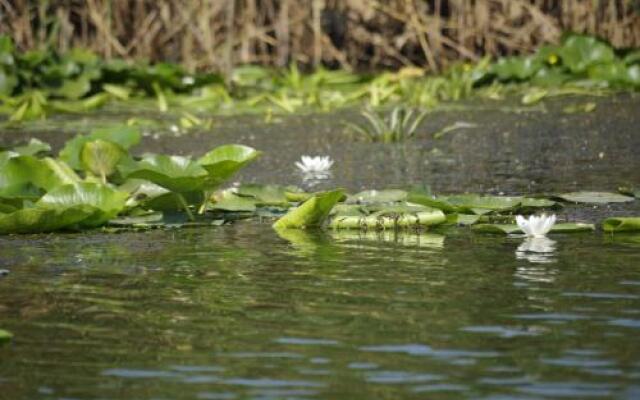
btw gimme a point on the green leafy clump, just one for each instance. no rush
(95, 180)
(401, 123)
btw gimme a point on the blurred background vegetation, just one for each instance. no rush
(349, 34)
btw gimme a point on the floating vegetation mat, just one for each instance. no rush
(94, 182)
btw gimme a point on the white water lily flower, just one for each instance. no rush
(536, 226)
(319, 165)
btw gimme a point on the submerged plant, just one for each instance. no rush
(401, 123)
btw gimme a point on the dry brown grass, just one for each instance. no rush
(353, 34)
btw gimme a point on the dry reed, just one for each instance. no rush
(352, 34)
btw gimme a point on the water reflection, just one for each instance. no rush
(537, 250)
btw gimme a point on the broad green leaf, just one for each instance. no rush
(176, 173)
(378, 196)
(621, 224)
(513, 228)
(516, 68)
(32, 148)
(23, 177)
(100, 157)
(462, 219)
(44, 219)
(497, 228)
(124, 136)
(311, 213)
(389, 220)
(223, 162)
(595, 197)
(5, 336)
(74, 88)
(106, 201)
(231, 202)
(267, 195)
(579, 52)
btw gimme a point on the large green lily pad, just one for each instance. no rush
(44, 219)
(176, 173)
(513, 228)
(621, 224)
(107, 202)
(223, 162)
(124, 136)
(595, 197)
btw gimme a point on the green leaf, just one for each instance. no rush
(513, 228)
(621, 224)
(124, 136)
(579, 52)
(32, 148)
(311, 213)
(100, 157)
(74, 88)
(106, 201)
(497, 228)
(231, 202)
(594, 197)
(516, 68)
(22, 177)
(378, 196)
(176, 173)
(5, 336)
(223, 162)
(266, 195)
(43, 219)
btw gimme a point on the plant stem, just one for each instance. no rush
(203, 206)
(184, 205)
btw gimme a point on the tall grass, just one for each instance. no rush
(353, 34)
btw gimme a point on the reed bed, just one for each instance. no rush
(349, 34)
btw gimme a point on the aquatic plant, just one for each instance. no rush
(536, 226)
(317, 167)
(401, 123)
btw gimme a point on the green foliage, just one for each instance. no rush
(312, 213)
(621, 224)
(46, 194)
(401, 123)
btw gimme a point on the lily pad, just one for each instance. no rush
(107, 202)
(43, 219)
(267, 195)
(101, 157)
(33, 148)
(231, 202)
(579, 52)
(176, 173)
(621, 224)
(378, 196)
(223, 162)
(513, 228)
(595, 197)
(124, 136)
(311, 213)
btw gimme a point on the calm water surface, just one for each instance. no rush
(240, 312)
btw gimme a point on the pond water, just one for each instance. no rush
(239, 312)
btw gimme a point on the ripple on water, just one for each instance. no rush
(568, 389)
(399, 377)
